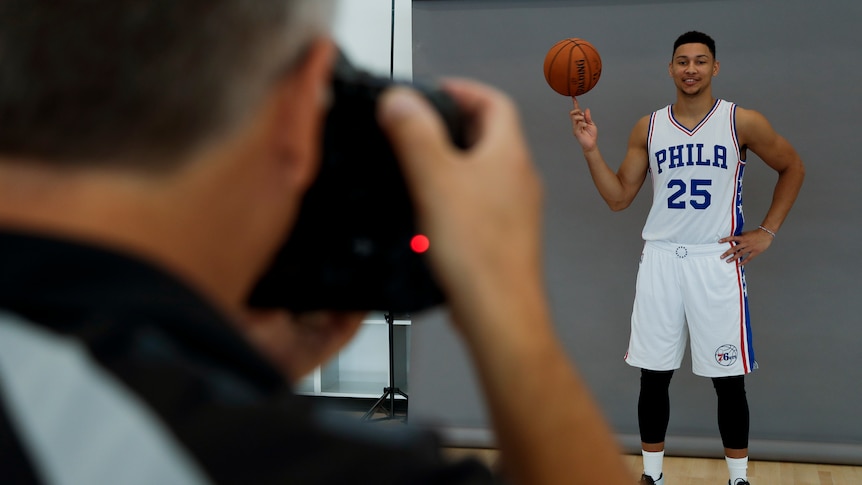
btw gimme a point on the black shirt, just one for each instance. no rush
(223, 402)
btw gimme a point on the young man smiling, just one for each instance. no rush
(691, 281)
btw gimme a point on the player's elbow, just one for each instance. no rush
(794, 170)
(621, 198)
(800, 169)
(618, 205)
(619, 201)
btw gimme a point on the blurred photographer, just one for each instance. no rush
(153, 157)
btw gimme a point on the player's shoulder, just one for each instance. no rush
(749, 119)
(642, 127)
(751, 126)
(645, 120)
(740, 111)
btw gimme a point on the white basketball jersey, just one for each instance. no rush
(697, 177)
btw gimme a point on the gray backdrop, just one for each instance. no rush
(797, 62)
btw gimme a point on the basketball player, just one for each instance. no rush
(691, 282)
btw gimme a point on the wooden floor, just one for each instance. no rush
(702, 471)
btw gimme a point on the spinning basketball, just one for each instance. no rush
(572, 67)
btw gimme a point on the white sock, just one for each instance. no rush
(738, 468)
(652, 463)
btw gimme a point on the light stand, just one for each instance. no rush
(391, 391)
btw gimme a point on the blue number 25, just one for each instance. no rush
(700, 197)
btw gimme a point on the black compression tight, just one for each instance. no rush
(654, 408)
(654, 405)
(733, 417)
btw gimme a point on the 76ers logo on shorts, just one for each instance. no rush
(726, 355)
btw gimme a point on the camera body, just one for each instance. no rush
(350, 247)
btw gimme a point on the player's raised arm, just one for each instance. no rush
(617, 189)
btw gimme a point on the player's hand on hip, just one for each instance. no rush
(746, 246)
(583, 128)
(479, 207)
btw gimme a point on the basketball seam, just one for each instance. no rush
(549, 74)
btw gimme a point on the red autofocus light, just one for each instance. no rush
(419, 244)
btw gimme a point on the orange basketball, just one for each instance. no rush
(572, 67)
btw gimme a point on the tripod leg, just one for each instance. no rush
(386, 393)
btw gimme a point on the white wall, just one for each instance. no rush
(363, 29)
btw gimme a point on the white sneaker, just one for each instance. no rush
(648, 480)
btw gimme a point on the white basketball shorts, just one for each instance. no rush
(687, 292)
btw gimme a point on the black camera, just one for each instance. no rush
(350, 248)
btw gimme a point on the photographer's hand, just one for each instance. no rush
(481, 209)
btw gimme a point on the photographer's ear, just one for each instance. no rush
(302, 101)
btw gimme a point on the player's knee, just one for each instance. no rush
(655, 379)
(732, 387)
